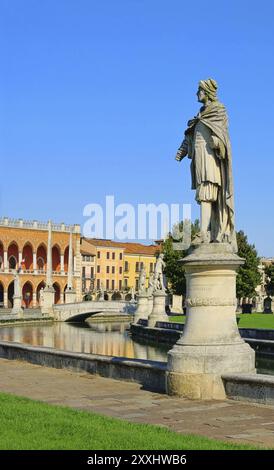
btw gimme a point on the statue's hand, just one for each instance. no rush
(179, 156)
(182, 152)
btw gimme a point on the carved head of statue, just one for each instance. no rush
(207, 90)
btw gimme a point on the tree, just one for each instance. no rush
(269, 274)
(174, 270)
(248, 276)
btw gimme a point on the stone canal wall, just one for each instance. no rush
(257, 388)
(261, 340)
(150, 374)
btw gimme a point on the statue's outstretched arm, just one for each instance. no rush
(182, 151)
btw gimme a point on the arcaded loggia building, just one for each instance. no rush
(23, 247)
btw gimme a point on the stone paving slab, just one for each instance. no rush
(227, 420)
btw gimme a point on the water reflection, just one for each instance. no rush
(107, 339)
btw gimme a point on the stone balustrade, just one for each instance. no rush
(34, 224)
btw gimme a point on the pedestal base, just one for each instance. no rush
(150, 305)
(211, 345)
(141, 312)
(158, 312)
(48, 301)
(70, 296)
(17, 307)
(195, 371)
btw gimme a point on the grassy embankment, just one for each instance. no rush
(28, 425)
(254, 320)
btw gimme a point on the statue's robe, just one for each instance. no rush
(213, 166)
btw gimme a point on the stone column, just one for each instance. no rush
(158, 313)
(34, 299)
(62, 264)
(49, 292)
(20, 257)
(6, 301)
(5, 260)
(49, 257)
(17, 297)
(211, 345)
(70, 293)
(34, 255)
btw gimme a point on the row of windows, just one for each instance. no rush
(108, 269)
(139, 266)
(91, 275)
(87, 258)
(113, 254)
(110, 284)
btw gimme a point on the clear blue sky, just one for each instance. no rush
(95, 96)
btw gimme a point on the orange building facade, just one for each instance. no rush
(23, 245)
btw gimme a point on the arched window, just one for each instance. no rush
(27, 257)
(66, 257)
(56, 258)
(12, 262)
(41, 258)
(13, 255)
(57, 293)
(27, 294)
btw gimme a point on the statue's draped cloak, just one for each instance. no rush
(215, 118)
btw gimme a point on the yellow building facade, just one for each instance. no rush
(118, 265)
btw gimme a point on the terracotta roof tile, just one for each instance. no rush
(128, 247)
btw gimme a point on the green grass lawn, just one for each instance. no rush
(28, 425)
(254, 320)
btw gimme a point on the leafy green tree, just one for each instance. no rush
(269, 286)
(248, 276)
(174, 270)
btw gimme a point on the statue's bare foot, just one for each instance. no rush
(201, 237)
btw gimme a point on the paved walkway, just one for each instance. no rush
(227, 420)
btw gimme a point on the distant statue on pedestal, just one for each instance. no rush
(101, 292)
(207, 144)
(159, 284)
(142, 281)
(151, 285)
(41, 296)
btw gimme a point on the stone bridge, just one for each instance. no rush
(78, 312)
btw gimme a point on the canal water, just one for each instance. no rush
(107, 339)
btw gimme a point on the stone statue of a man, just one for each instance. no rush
(207, 143)
(158, 273)
(151, 286)
(142, 280)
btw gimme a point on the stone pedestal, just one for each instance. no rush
(159, 311)
(17, 306)
(48, 301)
(177, 302)
(211, 344)
(142, 308)
(150, 304)
(259, 305)
(70, 296)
